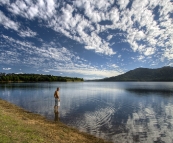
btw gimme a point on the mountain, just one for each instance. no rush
(144, 74)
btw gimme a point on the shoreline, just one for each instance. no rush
(19, 125)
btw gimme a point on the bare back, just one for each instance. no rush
(56, 94)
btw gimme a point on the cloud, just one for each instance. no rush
(149, 51)
(7, 23)
(4, 2)
(31, 9)
(146, 26)
(141, 57)
(49, 58)
(114, 66)
(88, 73)
(168, 53)
(75, 28)
(71, 26)
(109, 37)
(33, 55)
(6, 68)
(122, 3)
(133, 22)
(119, 56)
(27, 33)
(44, 70)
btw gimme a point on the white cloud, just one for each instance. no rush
(44, 70)
(7, 23)
(144, 16)
(113, 16)
(4, 2)
(33, 12)
(6, 68)
(109, 37)
(141, 57)
(114, 66)
(27, 33)
(50, 58)
(35, 55)
(31, 9)
(119, 56)
(51, 5)
(123, 3)
(17, 7)
(168, 53)
(66, 23)
(145, 29)
(87, 73)
(77, 25)
(149, 51)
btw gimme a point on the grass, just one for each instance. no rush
(20, 126)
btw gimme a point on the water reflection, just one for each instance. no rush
(113, 111)
(147, 125)
(56, 113)
(139, 91)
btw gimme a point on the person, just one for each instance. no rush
(57, 97)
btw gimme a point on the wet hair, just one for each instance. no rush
(57, 88)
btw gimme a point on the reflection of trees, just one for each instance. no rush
(35, 78)
(140, 91)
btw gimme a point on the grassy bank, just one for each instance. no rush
(20, 126)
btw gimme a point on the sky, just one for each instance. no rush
(90, 39)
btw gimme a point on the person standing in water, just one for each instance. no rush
(57, 97)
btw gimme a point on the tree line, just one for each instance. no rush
(35, 78)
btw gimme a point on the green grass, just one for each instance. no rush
(14, 131)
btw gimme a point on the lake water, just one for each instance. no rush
(116, 111)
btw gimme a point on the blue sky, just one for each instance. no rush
(85, 38)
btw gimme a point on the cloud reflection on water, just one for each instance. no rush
(106, 110)
(147, 125)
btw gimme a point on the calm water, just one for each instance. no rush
(116, 111)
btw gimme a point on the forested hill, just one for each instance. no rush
(144, 74)
(35, 78)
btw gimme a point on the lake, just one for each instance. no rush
(116, 111)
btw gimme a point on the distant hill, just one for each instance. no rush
(144, 74)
